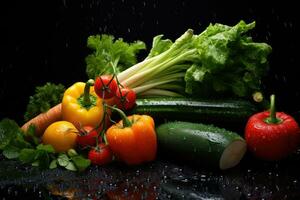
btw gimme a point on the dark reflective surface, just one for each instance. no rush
(162, 179)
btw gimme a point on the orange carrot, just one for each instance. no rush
(43, 120)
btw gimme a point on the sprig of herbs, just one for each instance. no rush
(108, 52)
(45, 97)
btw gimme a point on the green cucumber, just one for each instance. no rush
(227, 113)
(200, 143)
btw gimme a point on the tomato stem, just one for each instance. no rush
(272, 119)
(126, 121)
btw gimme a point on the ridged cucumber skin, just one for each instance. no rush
(228, 113)
(193, 142)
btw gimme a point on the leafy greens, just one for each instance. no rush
(108, 52)
(45, 97)
(222, 60)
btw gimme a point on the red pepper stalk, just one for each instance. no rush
(272, 135)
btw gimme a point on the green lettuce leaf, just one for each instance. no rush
(230, 62)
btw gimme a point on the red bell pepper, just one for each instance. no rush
(272, 135)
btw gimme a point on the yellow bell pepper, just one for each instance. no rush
(81, 105)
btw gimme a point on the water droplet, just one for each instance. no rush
(137, 172)
(270, 173)
(185, 180)
(8, 191)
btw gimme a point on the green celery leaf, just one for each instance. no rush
(30, 133)
(8, 131)
(28, 155)
(20, 142)
(63, 160)
(48, 148)
(11, 152)
(80, 162)
(70, 166)
(53, 164)
(159, 46)
(43, 159)
(35, 163)
(72, 152)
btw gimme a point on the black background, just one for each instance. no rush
(45, 41)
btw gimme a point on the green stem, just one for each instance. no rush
(126, 121)
(272, 119)
(86, 94)
(273, 110)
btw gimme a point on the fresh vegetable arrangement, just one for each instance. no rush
(179, 99)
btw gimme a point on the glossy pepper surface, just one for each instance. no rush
(133, 139)
(81, 106)
(272, 135)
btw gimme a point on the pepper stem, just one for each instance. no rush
(86, 94)
(126, 121)
(272, 119)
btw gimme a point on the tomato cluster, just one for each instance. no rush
(107, 87)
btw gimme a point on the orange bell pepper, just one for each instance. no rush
(133, 139)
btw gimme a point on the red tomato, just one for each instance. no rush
(87, 136)
(125, 98)
(100, 155)
(105, 86)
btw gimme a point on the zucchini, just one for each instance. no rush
(227, 113)
(201, 143)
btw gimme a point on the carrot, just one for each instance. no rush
(43, 120)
